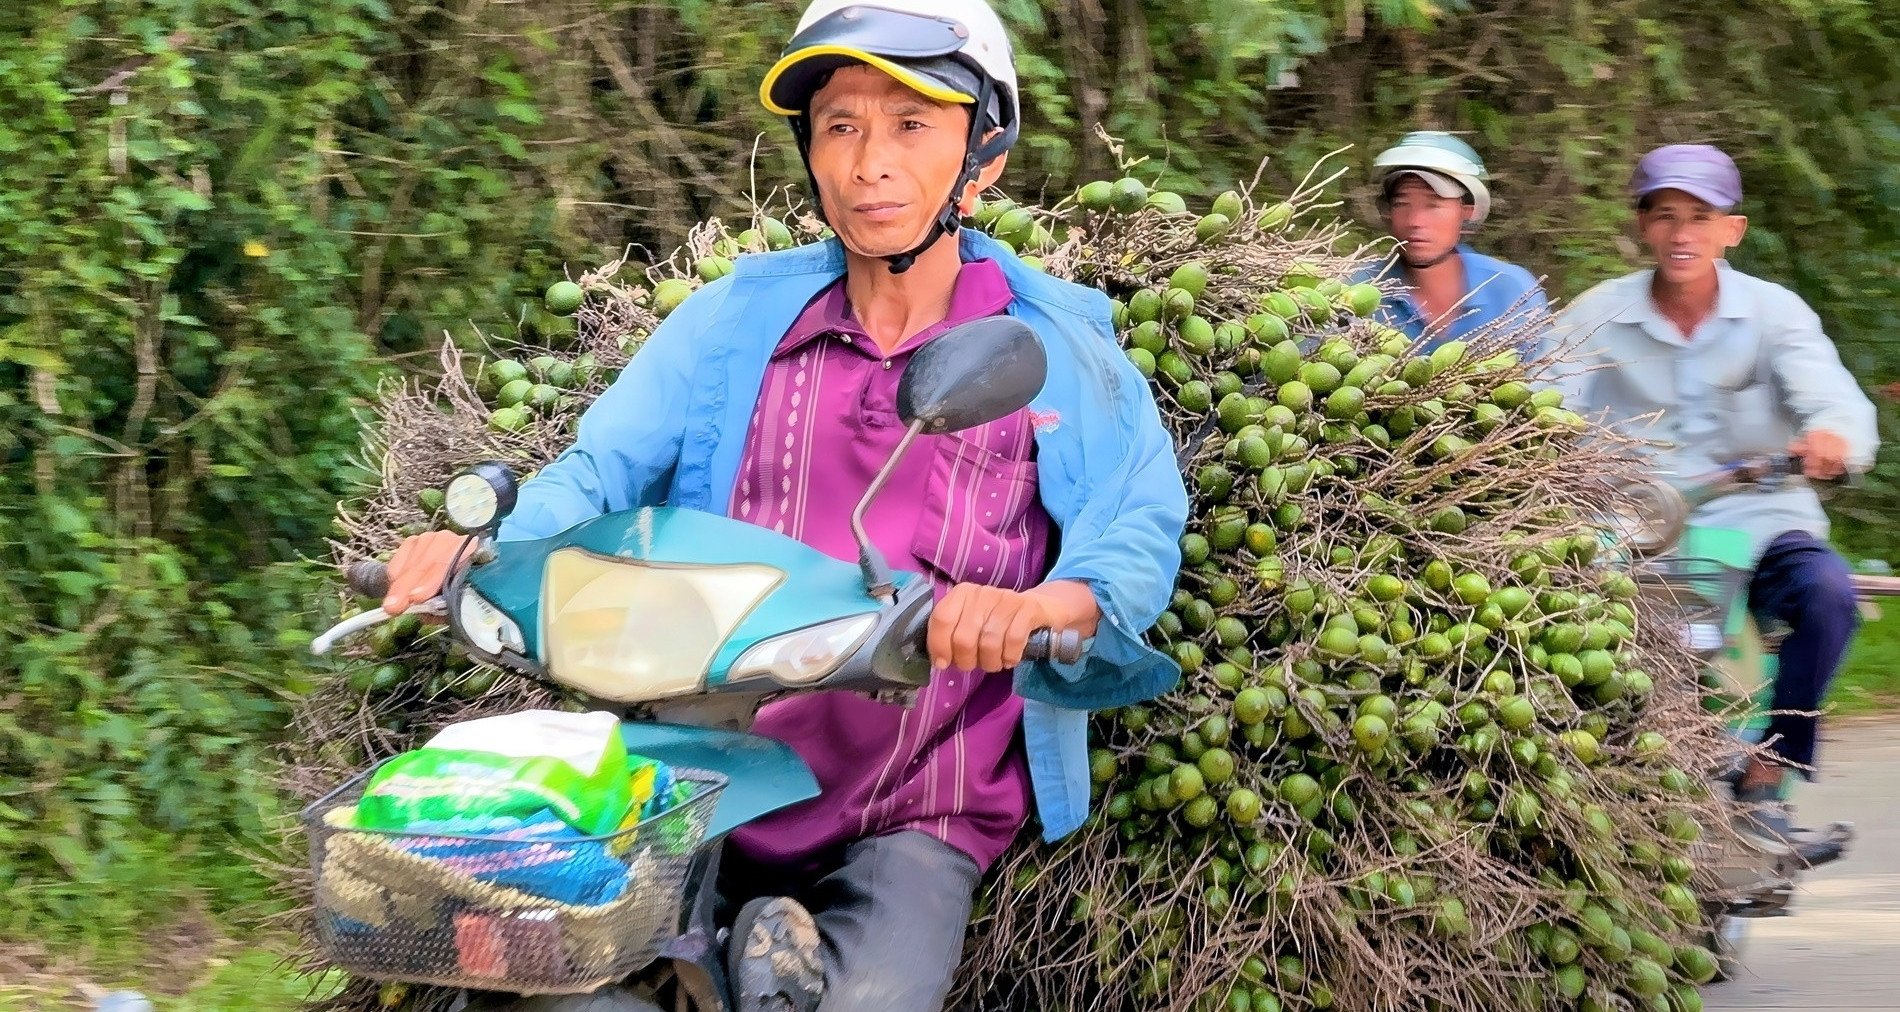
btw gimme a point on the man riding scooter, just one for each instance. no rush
(1432, 193)
(1710, 366)
(769, 397)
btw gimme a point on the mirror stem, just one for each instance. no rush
(877, 573)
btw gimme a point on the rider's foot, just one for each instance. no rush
(1771, 823)
(1759, 777)
(773, 957)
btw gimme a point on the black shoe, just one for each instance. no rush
(773, 958)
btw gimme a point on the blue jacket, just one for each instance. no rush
(1493, 290)
(672, 429)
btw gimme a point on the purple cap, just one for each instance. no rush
(1700, 170)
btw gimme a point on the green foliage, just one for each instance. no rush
(153, 890)
(256, 981)
(214, 217)
(176, 419)
(1870, 678)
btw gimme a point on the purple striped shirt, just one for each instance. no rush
(960, 508)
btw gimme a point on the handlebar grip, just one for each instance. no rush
(368, 578)
(1064, 647)
(1793, 465)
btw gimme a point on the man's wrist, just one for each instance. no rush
(1074, 603)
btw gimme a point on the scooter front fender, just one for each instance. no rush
(762, 775)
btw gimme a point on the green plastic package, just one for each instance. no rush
(514, 765)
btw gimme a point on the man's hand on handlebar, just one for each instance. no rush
(1823, 454)
(982, 628)
(419, 569)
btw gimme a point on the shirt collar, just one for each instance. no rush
(1732, 301)
(1483, 298)
(1731, 296)
(981, 290)
(1394, 266)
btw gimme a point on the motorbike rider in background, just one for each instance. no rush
(1433, 195)
(1712, 365)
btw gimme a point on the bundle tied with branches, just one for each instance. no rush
(1430, 749)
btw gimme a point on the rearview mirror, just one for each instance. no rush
(971, 374)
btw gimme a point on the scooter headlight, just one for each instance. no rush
(631, 631)
(805, 656)
(486, 626)
(1650, 517)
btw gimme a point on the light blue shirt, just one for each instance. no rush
(1495, 292)
(1754, 375)
(672, 430)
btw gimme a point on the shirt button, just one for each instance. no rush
(887, 365)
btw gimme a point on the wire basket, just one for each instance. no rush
(1699, 593)
(514, 912)
(1700, 590)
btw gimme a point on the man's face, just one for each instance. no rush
(884, 158)
(1687, 235)
(1427, 223)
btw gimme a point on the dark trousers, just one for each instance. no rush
(891, 912)
(1802, 582)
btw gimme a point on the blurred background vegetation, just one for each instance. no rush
(223, 222)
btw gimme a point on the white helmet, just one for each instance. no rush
(949, 50)
(1446, 164)
(941, 48)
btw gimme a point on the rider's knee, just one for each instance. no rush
(1831, 597)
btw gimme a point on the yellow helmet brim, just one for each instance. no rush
(783, 90)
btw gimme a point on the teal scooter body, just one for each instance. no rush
(792, 587)
(1744, 672)
(802, 587)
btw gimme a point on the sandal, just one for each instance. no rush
(773, 958)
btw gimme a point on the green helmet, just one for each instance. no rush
(1445, 163)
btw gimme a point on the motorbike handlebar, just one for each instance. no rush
(1044, 644)
(1790, 465)
(368, 578)
(1764, 472)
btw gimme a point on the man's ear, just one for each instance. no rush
(986, 177)
(1737, 225)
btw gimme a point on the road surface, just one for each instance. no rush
(1839, 947)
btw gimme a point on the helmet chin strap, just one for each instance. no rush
(949, 218)
(947, 223)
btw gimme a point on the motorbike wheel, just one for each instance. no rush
(1726, 940)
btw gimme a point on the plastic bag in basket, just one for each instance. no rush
(511, 766)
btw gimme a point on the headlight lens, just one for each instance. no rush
(630, 631)
(486, 626)
(805, 656)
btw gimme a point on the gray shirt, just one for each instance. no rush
(1755, 374)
